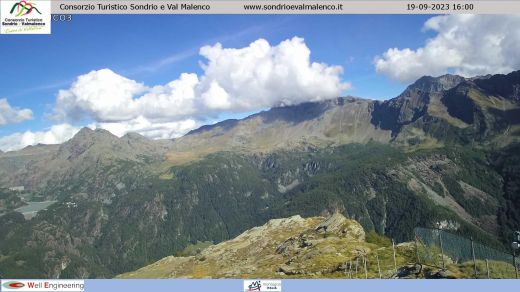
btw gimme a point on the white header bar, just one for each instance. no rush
(285, 7)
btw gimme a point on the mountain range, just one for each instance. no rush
(444, 153)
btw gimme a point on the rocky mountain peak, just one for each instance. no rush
(436, 84)
(135, 139)
(410, 105)
(134, 136)
(84, 140)
(507, 86)
(88, 134)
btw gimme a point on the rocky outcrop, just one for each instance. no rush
(343, 227)
(418, 271)
(314, 247)
(409, 272)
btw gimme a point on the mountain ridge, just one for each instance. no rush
(388, 115)
(420, 159)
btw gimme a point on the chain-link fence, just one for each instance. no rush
(439, 248)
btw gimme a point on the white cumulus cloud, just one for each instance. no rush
(262, 75)
(233, 80)
(103, 95)
(12, 115)
(467, 45)
(153, 130)
(62, 132)
(56, 134)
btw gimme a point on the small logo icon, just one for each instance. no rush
(13, 285)
(23, 8)
(262, 285)
(255, 286)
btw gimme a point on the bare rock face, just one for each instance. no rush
(439, 274)
(436, 84)
(409, 272)
(417, 271)
(343, 227)
(294, 244)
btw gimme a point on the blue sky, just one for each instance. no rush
(156, 49)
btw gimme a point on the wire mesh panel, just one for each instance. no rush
(443, 249)
(429, 247)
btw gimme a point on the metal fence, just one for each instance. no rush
(439, 248)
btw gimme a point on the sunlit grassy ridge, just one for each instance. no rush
(300, 248)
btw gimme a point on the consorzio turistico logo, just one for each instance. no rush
(25, 17)
(23, 8)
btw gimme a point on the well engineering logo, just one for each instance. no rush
(13, 285)
(43, 285)
(25, 17)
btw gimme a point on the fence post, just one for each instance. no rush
(417, 250)
(365, 264)
(487, 269)
(473, 255)
(378, 266)
(514, 263)
(357, 262)
(393, 249)
(442, 250)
